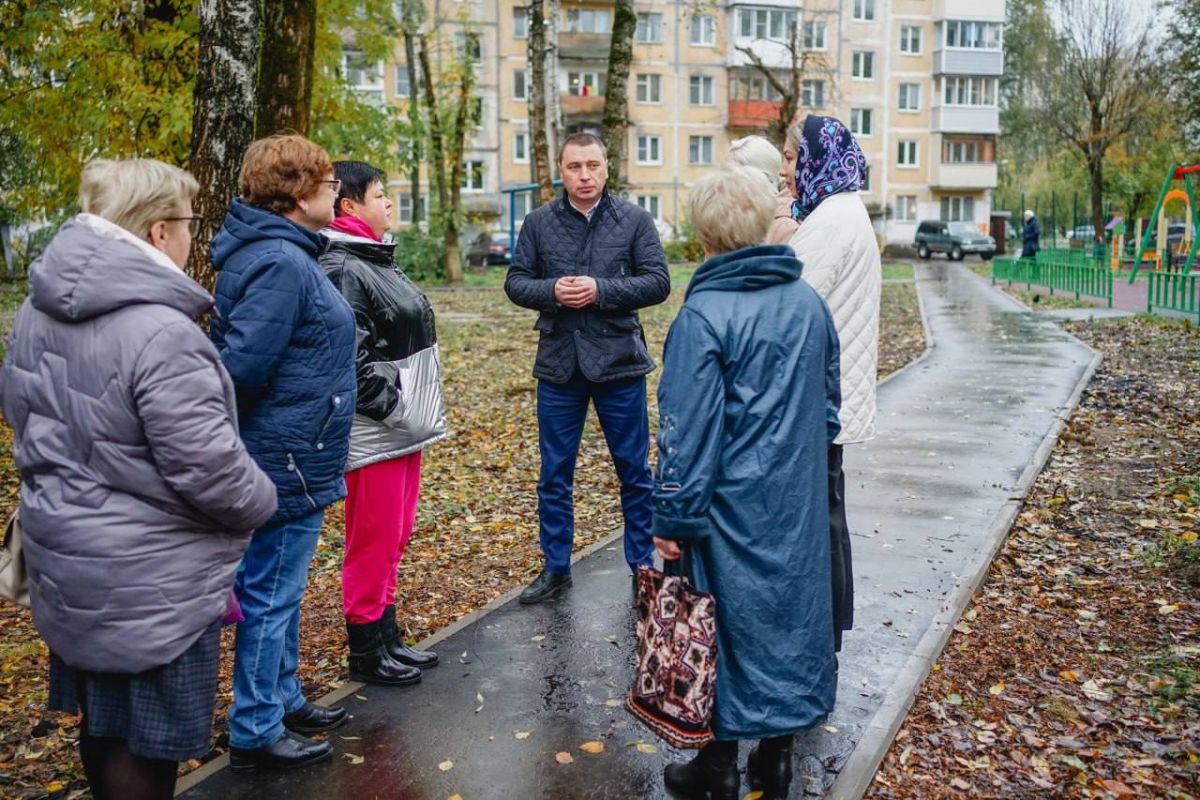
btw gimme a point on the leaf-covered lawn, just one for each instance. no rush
(476, 534)
(1075, 672)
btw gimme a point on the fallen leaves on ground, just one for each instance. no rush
(1074, 681)
(476, 533)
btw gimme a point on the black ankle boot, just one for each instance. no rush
(393, 640)
(370, 661)
(769, 768)
(711, 775)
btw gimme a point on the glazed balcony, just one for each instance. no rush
(753, 113)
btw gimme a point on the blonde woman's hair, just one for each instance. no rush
(757, 152)
(136, 192)
(731, 208)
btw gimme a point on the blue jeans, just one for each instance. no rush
(625, 420)
(270, 584)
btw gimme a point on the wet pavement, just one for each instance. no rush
(962, 432)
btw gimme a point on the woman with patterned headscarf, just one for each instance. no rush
(825, 168)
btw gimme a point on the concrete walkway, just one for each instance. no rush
(962, 433)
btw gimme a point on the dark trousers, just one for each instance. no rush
(839, 549)
(625, 420)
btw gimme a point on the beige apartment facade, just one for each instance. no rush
(916, 81)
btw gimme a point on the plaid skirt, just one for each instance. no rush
(163, 713)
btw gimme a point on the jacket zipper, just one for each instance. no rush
(303, 483)
(337, 401)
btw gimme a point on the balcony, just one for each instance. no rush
(588, 106)
(753, 113)
(966, 119)
(584, 46)
(968, 61)
(970, 9)
(963, 176)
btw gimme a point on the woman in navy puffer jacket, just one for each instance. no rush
(287, 338)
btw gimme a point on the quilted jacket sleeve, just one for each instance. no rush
(259, 326)
(691, 407)
(524, 284)
(649, 281)
(823, 252)
(181, 402)
(833, 378)
(377, 395)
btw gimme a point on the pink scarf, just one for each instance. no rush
(354, 226)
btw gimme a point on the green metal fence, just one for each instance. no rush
(1057, 273)
(1173, 291)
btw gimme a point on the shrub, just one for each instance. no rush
(421, 255)
(684, 246)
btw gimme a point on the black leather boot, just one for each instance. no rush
(289, 751)
(370, 661)
(311, 718)
(711, 775)
(769, 768)
(393, 640)
(544, 586)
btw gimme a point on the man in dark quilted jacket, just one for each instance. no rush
(587, 262)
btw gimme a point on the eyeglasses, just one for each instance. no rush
(336, 184)
(194, 222)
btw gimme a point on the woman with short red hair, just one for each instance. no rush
(288, 340)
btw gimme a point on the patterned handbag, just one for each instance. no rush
(14, 581)
(675, 683)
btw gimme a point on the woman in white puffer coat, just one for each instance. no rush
(824, 167)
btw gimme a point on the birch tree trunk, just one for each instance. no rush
(285, 76)
(413, 16)
(223, 116)
(553, 93)
(540, 163)
(616, 95)
(458, 144)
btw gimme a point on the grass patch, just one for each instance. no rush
(897, 272)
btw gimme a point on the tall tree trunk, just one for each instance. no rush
(414, 121)
(437, 160)
(616, 96)
(553, 93)
(223, 116)
(285, 75)
(413, 17)
(451, 222)
(540, 163)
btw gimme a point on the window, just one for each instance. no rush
(812, 93)
(906, 208)
(968, 151)
(766, 23)
(700, 149)
(862, 65)
(812, 35)
(521, 147)
(700, 90)
(958, 209)
(969, 91)
(650, 202)
(469, 46)
(521, 84)
(476, 118)
(365, 79)
(403, 89)
(649, 28)
(703, 31)
(910, 40)
(864, 10)
(649, 149)
(906, 156)
(910, 97)
(405, 208)
(584, 84)
(521, 203)
(753, 87)
(473, 176)
(520, 22)
(649, 87)
(860, 121)
(976, 35)
(588, 20)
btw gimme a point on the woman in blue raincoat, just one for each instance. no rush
(748, 407)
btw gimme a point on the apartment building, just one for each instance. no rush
(915, 80)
